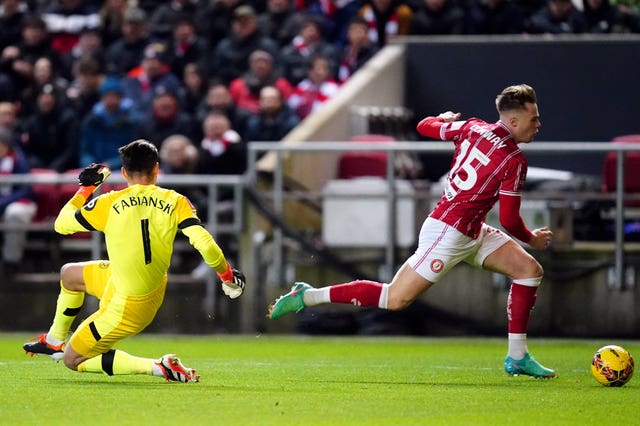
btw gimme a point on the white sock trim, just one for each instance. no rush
(529, 282)
(316, 296)
(384, 296)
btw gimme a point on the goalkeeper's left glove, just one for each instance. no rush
(232, 282)
(91, 177)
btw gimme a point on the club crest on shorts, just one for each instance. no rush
(437, 265)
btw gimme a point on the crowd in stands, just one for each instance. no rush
(79, 78)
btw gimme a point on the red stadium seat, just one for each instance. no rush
(47, 196)
(360, 164)
(631, 167)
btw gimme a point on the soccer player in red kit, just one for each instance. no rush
(487, 167)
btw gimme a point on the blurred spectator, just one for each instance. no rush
(230, 59)
(84, 91)
(165, 119)
(275, 119)
(222, 150)
(557, 17)
(178, 155)
(89, 45)
(387, 19)
(17, 61)
(437, 17)
(126, 53)
(65, 19)
(312, 92)
(357, 51)
(245, 90)
(111, 123)
(166, 15)
(195, 88)
(9, 117)
(154, 72)
(12, 14)
(17, 204)
(112, 17)
(185, 47)
(280, 21)
(336, 16)
(213, 20)
(308, 42)
(604, 17)
(219, 99)
(495, 17)
(43, 74)
(529, 7)
(51, 133)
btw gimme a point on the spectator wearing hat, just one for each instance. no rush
(245, 90)
(309, 41)
(142, 82)
(166, 118)
(50, 133)
(126, 53)
(230, 59)
(16, 61)
(17, 203)
(112, 123)
(66, 19)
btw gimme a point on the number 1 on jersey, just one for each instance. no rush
(146, 240)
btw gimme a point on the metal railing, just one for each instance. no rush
(212, 183)
(392, 148)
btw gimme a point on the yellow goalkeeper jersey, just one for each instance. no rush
(140, 223)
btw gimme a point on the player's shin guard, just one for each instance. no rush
(67, 308)
(358, 293)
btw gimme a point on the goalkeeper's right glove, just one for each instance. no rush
(232, 282)
(91, 177)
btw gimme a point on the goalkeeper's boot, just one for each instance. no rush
(290, 302)
(40, 346)
(174, 371)
(527, 366)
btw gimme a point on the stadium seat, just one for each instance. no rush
(47, 196)
(361, 164)
(632, 165)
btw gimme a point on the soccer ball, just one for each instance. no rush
(612, 366)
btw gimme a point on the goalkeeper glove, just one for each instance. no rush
(232, 282)
(91, 177)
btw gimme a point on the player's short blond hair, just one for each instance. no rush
(515, 97)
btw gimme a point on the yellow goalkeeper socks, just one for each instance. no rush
(116, 362)
(67, 308)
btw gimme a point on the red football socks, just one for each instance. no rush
(358, 293)
(519, 304)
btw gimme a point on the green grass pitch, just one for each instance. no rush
(295, 380)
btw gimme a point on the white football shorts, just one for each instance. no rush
(441, 247)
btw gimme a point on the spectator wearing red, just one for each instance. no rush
(312, 92)
(245, 90)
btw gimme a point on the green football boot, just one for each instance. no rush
(527, 366)
(290, 302)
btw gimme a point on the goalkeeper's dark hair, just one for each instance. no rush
(139, 156)
(515, 98)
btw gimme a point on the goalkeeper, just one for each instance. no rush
(140, 223)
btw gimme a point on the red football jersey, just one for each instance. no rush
(487, 164)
